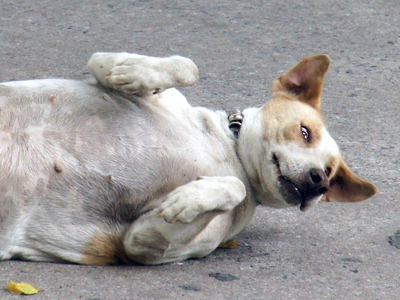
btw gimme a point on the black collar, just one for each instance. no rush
(235, 119)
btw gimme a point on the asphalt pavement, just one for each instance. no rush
(334, 251)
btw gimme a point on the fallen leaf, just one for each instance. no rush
(228, 244)
(22, 288)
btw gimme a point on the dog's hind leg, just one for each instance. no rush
(151, 240)
(193, 220)
(139, 74)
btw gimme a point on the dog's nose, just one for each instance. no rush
(318, 181)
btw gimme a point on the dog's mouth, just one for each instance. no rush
(289, 190)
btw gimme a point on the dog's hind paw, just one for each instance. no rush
(144, 74)
(132, 76)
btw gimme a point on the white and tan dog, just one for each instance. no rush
(125, 170)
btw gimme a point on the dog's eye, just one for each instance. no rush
(328, 171)
(305, 133)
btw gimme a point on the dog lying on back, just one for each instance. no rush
(125, 170)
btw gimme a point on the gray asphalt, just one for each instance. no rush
(335, 251)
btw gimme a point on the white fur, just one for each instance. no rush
(78, 161)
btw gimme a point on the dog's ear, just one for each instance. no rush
(305, 79)
(345, 186)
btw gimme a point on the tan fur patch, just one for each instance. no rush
(283, 119)
(105, 248)
(315, 126)
(293, 133)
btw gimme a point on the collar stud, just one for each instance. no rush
(235, 119)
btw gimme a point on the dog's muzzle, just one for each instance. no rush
(303, 190)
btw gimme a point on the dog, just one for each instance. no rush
(124, 170)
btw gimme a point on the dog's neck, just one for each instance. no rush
(251, 151)
(249, 142)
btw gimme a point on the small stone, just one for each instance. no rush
(354, 271)
(190, 287)
(223, 276)
(352, 259)
(394, 240)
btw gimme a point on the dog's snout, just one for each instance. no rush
(314, 184)
(319, 180)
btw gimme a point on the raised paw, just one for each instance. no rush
(208, 194)
(143, 74)
(134, 75)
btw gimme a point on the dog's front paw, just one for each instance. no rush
(208, 194)
(182, 205)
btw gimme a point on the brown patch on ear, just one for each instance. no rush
(345, 186)
(305, 79)
(105, 248)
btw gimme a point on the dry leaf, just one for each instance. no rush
(22, 288)
(228, 244)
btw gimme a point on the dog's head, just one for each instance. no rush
(304, 164)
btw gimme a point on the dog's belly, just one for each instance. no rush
(69, 151)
